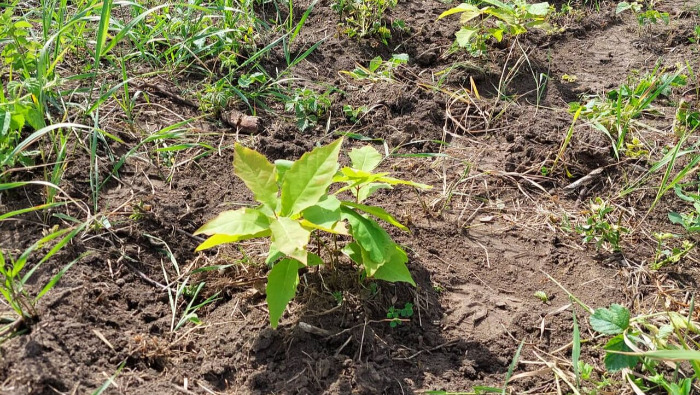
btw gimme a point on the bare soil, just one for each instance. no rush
(482, 242)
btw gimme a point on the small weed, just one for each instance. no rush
(14, 275)
(378, 70)
(598, 228)
(354, 114)
(664, 256)
(308, 106)
(363, 18)
(615, 113)
(644, 18)
(497, 21)
(689, 220)
(541, 295)
(396, 314)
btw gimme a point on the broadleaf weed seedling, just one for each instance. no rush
(664, 256)
(616, 113)
(378, 70)
(498, 21)
(397, 314)
(295, 205)
(363, 18)
(599, 229)
(308, 106)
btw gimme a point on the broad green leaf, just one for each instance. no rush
(273, 255)
(676, 218)
(282, 284)
(258, 174)
(470, 10)
(395, 268)
(465, 36)
(242, 222)
(505, 15)
(375, 63)
(324, 213)
(610, 321)
(358, 175)
(366, 158)
(377, 212)
(497, 34)
(615, 362)
(374, 240)
(282, 165)
(354, 252)
(622, 7)
(313, 260)
(218, 239)
(290, 238)
(539, 9)
(325, 216)
(368, 190)
(309, 178)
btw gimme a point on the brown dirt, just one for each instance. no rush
(481, 242)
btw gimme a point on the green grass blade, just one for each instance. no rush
(58, 276)
(576, 350)
(512, 366)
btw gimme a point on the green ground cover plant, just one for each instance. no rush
(492, 19)
(600, 228)
(16, 273)
(363, 18)
(296, 203)
(618, 113)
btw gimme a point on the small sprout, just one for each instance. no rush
(541, 295)
(396, 314)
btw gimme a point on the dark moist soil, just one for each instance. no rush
(482, 242)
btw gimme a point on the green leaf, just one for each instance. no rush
(325, 215)
(471, 11)
(258, 174)
(610, 321)
(465, 36)
(366, 158)
(395, 268)
(377, 246)
(282, 165)
(375, 63)
(539, 9)
(377, 212)
(676, 218)
(354, 252)
(313, 260)
(309, 178)
(244, 221)
(615, 362)
(290, 238)
(282, 284)
(622, 7)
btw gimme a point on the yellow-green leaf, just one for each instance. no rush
(395, 269)
(258, 174)
(241, 222)
(366, 158)
(470, 10)
(290, 238)
(308, 179)
(377, 212)
(282, 284)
